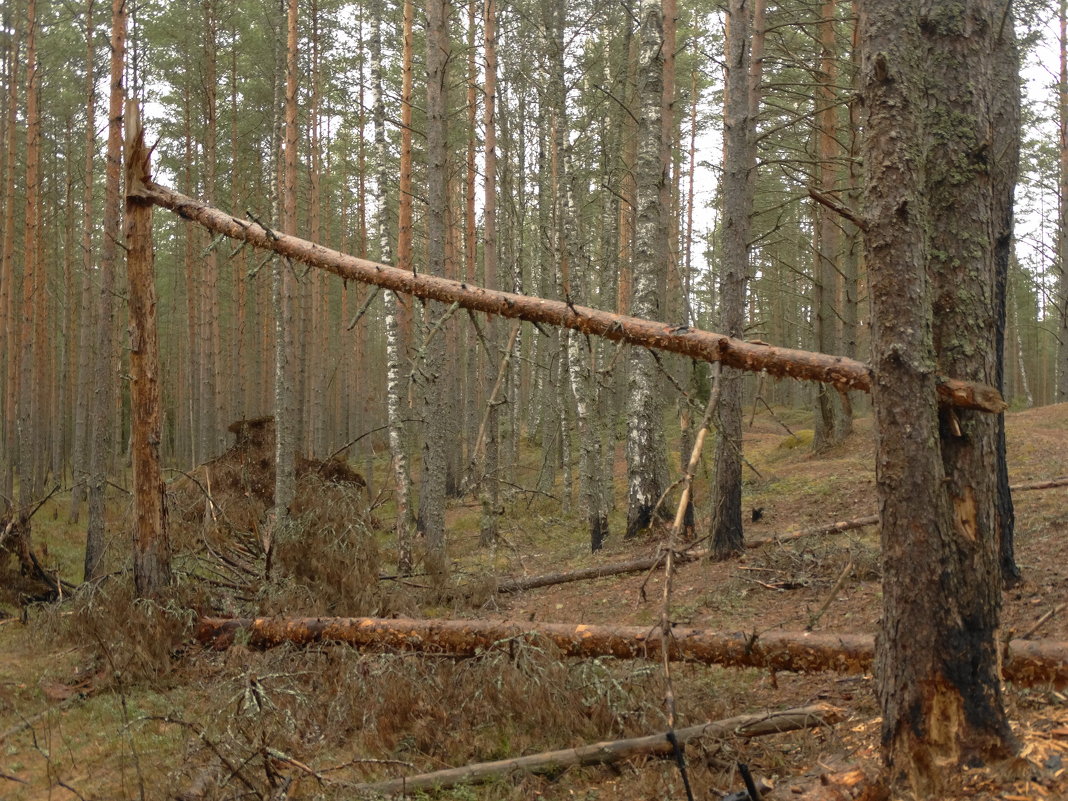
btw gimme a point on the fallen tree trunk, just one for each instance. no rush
(1051, 483)
(649, 562)
(606, 753)
(844, 373)
(1026, 662)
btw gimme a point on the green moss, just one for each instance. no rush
(801, 439)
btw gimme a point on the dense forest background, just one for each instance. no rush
(561, 206)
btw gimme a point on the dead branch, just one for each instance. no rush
(1051, 483)
(650, 562)
(1027, 662)
(697, 344)
(609, 752)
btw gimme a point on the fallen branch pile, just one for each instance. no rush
(1026, 662)
(606, 753)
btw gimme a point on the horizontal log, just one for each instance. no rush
(1027, 662)
(846, 374)
(612, 751)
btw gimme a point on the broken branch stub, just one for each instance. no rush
(706, 346)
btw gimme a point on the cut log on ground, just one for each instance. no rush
(511, 585)
(1027, 662)
(844, 373)
(606, 753)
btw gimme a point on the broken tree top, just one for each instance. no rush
(842, 372)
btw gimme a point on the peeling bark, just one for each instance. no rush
(151, 551)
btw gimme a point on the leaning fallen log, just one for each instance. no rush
(512, 585)
(1027, 662)
(706, 346)
(609, 752)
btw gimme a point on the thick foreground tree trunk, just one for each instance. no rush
(1027, 662)
(697, 344)
(927, 87)
(610, 752)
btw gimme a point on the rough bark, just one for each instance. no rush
(83, 379)
(645, 449)
(151, 546)
(610, 752)
(739, 175)
(1004, 172)
(925, 83)
(212, 415)
(1027, 662)
(31, 351)
(285, 302)
(1062, 207)
(8, 326)
(692, 342)
(103, 382)
(431, 521)
(830, 424)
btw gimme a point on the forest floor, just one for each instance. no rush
(104, 698)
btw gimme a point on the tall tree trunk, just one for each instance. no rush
(937, 654)
(490, 480)
(396, 383)
(831, 419)
(31, 351)
(151, 551)
(82, 380)
(8, 285)
(1004, 173)
(739, 174)
(212, 414)
(103, 403)
(646, 459)
(431, 521)
(1062, 208)
(284, 301)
